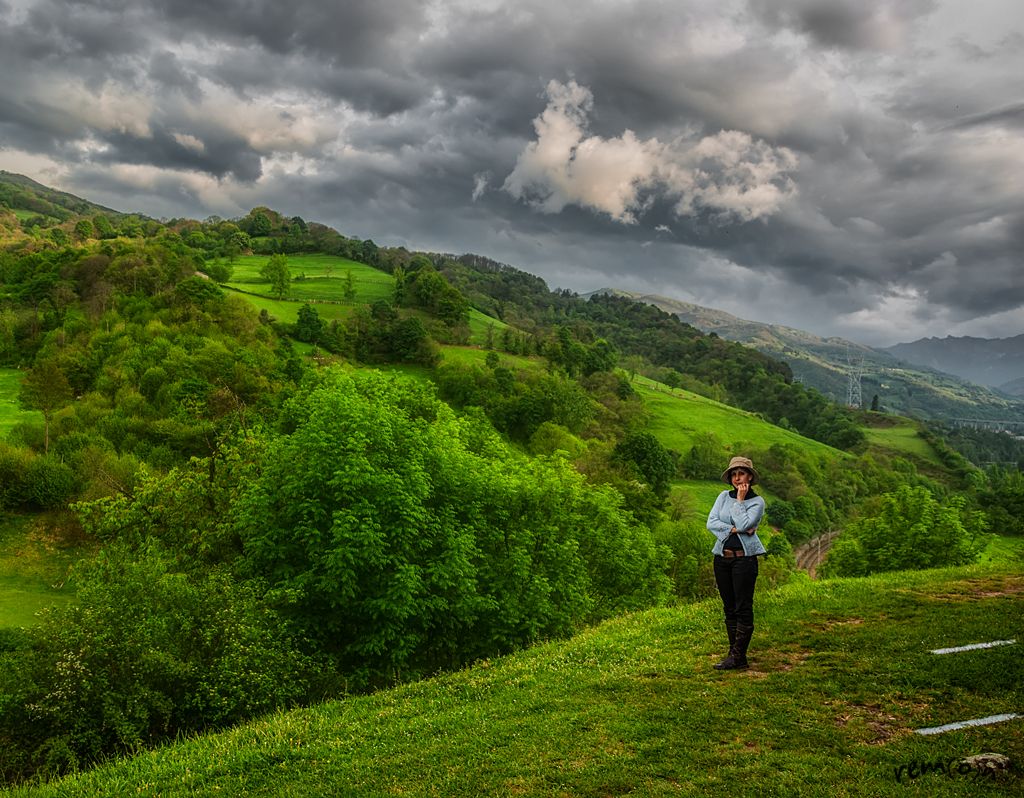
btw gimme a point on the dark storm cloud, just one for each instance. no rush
(217, 155)
(167, 71)
(350, 32)
(831, 161)
(851, 24)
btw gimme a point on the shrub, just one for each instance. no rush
(146, 653)
(49, 483)
(911, 530)
(402, 538)
(14, 463)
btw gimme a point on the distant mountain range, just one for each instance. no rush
(902, 381)
(997, 362)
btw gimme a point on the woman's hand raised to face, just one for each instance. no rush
(740, 481)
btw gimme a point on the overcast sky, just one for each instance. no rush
(847, 167)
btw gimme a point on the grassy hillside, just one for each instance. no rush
(824, 363)
(902, 437)
(316, 278)
(321, 279)
(841, 677)
(11, 412)
(27, 198)
(34, 567)
(678, 415)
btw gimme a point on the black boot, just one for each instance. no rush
(737, 658)
(730, 628)
(743, 634)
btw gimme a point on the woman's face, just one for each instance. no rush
(740, 476)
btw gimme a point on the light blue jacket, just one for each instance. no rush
(728, 513)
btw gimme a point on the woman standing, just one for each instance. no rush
(733, 521)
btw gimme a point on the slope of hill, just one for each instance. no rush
(842, 675)
(20, 193)
(997, 362)
(826, 363)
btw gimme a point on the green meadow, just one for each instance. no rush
(316, 278)
(841, 677)
(320, 280)
(11, 413)
(900, 436)
(34, 567)
(678, 416)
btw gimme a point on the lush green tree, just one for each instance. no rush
(259, 223)
(643, 453)
(45, 388)
(911, 530)
(348, 286)
(103, 227)
(276, 272)
(402, 538)
(84, 229)
(601, 356)
(1002, 499)
(309, 325)
(705, 458)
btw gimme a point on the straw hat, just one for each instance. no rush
(740, 462)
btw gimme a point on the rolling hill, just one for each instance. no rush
(825, 364)
(23, 194)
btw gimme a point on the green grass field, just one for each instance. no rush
(11, 413)
(841, 677)
(899, 436)
(469, 355)
(1003, 549)
(323, 284)
(677, 416)
(316, 277)
(23, 214)
(33, 569)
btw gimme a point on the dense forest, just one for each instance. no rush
(276, 523)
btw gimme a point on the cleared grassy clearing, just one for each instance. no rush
(900, 436)
(1003, 549)
(323, 285)
(22, 214)
(34, 568)
(11, 413)
(316, 278)
(471, 355)
(287, 311)
(840, 679)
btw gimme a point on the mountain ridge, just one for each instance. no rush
(996, 362)
(902, 385)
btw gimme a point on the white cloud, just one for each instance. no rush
(730, 173)
(480, 181)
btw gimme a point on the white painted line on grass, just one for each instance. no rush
(965, 723)
(973, 647)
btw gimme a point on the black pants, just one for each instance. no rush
(735, 577)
